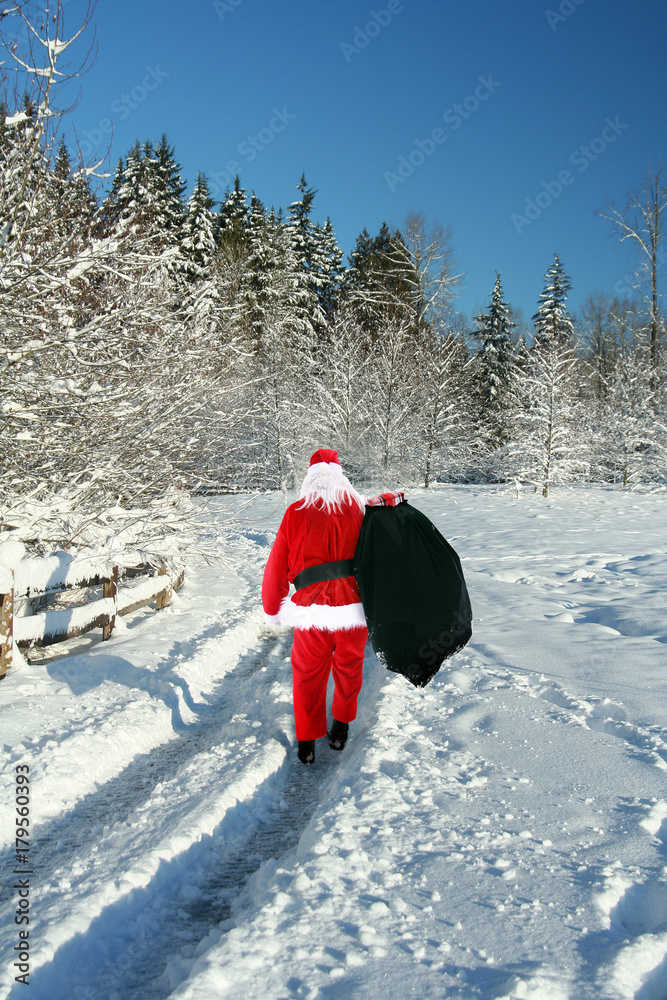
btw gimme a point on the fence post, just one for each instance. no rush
(111, 590)
(6, 629)
(162, 602)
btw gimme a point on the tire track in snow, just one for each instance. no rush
(221, 900)
(125, 948)
(63, 851)
(58, 841)
(231, 871)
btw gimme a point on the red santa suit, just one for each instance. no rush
(329, 624)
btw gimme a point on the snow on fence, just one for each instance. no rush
(37, 582)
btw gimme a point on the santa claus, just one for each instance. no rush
(314, 551)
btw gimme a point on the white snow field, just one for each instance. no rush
(501, 833)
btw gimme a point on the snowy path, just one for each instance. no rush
(176, 836)
(500, 834)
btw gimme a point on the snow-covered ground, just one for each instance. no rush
(501, 833)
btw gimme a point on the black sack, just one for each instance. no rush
(413, 591)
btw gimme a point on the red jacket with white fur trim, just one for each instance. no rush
(307, 537)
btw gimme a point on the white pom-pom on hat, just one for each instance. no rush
(323, 458)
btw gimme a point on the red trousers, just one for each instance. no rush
(315, 653)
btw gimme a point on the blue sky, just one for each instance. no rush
(343, 90)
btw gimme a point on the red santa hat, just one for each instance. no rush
(324, 458)
(325, 482)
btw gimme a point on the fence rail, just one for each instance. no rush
(39, 582)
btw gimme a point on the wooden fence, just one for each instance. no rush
(40, 585)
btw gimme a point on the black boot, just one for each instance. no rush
(337, 735)
(307, 751)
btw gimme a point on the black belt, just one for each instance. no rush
(324, 571)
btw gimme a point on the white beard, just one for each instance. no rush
(329, 488)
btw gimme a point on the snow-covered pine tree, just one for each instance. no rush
(269, 296)
(112, 206)
(231, 222)
(356, 278)
(551, 425)
(169, 189)
(302, 237)
(263, 305)
(259, 291)
(128, 208)
(66, 233)
(552, 321)
(280, 337)
(146, 195)
(495, 369)
(24, 167)
(231, 236)
(75, 202)
(389, 283)
(196, 258)
(61, 177)
(328, 262)
(299, 224)
(375, 284)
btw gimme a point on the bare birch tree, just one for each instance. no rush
(424, 262)
(642, 223)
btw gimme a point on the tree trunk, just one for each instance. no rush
(549, 446)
